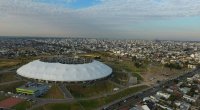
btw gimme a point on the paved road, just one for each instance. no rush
(131, 99)
(134, 98)
(108, 94)
(65, 91)
(41, 102)
(13, 69)
(10, 82)
(114, 83)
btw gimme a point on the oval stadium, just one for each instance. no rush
(67, 70)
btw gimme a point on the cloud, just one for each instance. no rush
(107, 18)
(145, 8)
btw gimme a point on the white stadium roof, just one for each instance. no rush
(64, 72)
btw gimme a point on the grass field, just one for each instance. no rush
(11, 87)
(126, 65)
(97, 88)
(22, 106)
(95, 103)
(7, 77)
(2, 97)
(117, 66)
(54, 93)
(120, 78)
(60, 106)
(7, 63)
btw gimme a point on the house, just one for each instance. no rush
(185, 90)
(190, 99)
(164, 95)
(185, 106)
(191, 66)
(145, 107)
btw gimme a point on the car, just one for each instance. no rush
(9, 92)
(34, 101)
(104, 108)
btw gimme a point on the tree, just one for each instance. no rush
(134, 58)
(138, 64)
(173, 66)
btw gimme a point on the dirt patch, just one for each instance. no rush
(10, 102)
(157, 73)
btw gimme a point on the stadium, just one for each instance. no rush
(65, 70)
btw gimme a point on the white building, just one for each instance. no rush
(145, 107)
(64, 72)
(164, 95)
(191, 99)
(191, 66)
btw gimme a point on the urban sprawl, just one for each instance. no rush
(180, 92)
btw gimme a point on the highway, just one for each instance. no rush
(134, 98)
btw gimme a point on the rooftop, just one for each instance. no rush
(32, 86)
(64, 72)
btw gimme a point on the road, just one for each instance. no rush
(65, 91)
(134, 98)
(13, 69)
(41, 102)
(126, 101)
(10, 82)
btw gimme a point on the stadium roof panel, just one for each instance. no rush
(64, 72)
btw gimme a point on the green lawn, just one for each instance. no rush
(7, 77)
(95, 103)
(23, 105)
(54, 93)
(2, 97)
(7, 63)
(81, 90)
(118, 66)
(160, 69)
(11, 87)
(128, 66)
(60, 106)
(120, 78)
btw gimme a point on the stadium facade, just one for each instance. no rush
(62, 72)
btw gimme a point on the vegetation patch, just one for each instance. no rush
(7, 63)
(128, 66)
(54, 93)
(60, 106)
(120, 78)
(89, 90)
(2, 97)
(11, 87)
(23, 106)
(7, 77)
(95, 103)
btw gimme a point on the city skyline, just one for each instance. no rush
(133, 19)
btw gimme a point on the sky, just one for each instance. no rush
(133, 19)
